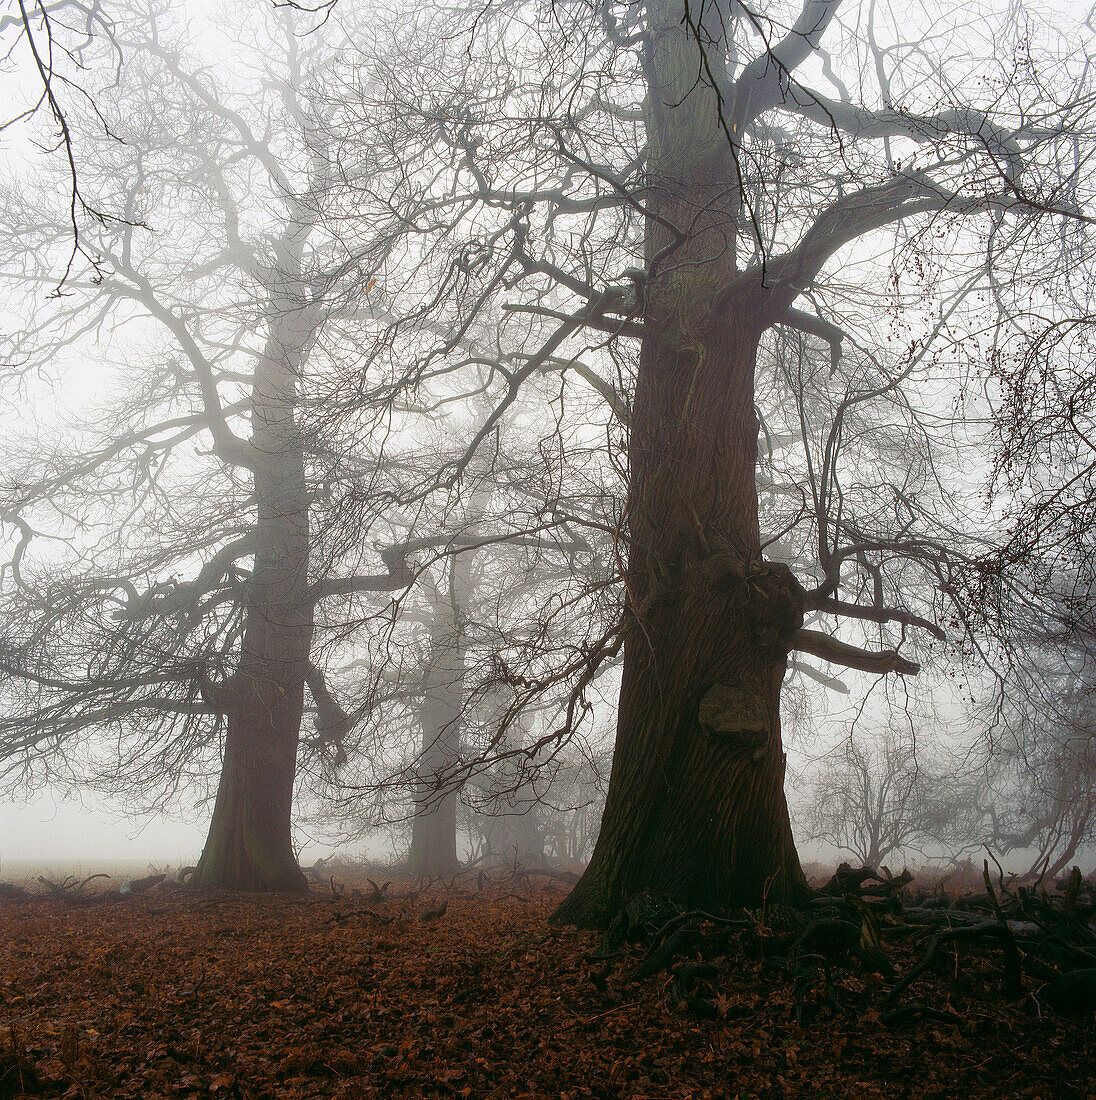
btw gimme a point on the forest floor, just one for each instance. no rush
(169, 993)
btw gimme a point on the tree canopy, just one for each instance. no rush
(706, 308)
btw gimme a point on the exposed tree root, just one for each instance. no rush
(848, 925)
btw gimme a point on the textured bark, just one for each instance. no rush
(696, 805)
(249, 846)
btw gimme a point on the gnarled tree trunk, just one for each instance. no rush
(695, 805)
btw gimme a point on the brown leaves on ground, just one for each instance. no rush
(188, 995)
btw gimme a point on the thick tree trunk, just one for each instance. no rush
(433, 849)
(696, 805)
(249, 846)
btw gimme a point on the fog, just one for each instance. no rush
(54, 831)
(425, 435)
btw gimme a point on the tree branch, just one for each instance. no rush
(837, 652)
(829, 605)
(399, 575)
(860, 122)
(813, 325)
(845, 219)
(830, 682)
(765, 82)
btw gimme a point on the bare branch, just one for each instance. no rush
(837, 652)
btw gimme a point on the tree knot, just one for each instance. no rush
(775, 599)
(736, 719)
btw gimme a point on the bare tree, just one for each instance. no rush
(528, 813)
(64, 53)
(738, 261)
(1036, 790)
(445, 686)
(716, 220)
(165, 568)
(875, 797)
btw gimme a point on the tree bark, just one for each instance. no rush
(695, 806)
(249, 846)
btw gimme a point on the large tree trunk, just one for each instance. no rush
(696, 805)
(434, 825)
(249, 846)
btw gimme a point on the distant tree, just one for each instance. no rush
(875, 797)
(533, 808)
(511, 811)
(1043, 809)
(167, 551)
(440, 707)
(1036, 790)
(1036, 589)
(444, 708)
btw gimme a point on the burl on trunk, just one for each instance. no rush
(696, 805)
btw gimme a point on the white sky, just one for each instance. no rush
(54, 828)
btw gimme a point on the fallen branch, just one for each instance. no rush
(70, 886)
(986, 930)
(339, 918)
(435, 914)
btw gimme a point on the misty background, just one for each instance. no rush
(223, 156)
